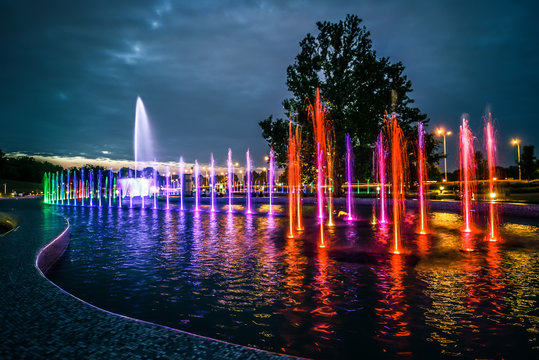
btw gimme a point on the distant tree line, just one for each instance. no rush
(24, 168)
(528, 163)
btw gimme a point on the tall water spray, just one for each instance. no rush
(82, 185)
(297, 176)
(111, 174)
(230, 179)
(212, 183)
(197, 185)
(167, 184)
(492, 188)
(380, 174)
(291, 179)
(99, 186)
(68, 187)
(181, 171)
(398, 170)
(421, 179)
(349, 193)
(317, 114)
(467, 174)
(75, 193)
(271, 179)
(248, 175)
(142, 145)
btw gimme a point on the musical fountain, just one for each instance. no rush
(286, 271)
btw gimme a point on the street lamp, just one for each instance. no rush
(517, 143)
(443, 132)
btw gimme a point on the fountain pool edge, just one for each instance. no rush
(40, 321)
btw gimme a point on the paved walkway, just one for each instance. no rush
(40, 321)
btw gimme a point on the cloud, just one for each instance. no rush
(208, 71)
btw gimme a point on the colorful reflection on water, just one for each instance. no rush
(240, 278)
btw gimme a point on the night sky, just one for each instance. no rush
(209, 71)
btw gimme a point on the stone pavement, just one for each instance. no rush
(38, 320)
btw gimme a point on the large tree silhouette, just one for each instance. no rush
(357, 86)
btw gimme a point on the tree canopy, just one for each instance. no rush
(357, 86)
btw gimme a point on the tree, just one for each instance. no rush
(528, 162)
(481, 165)
(357, 87)
(3, 163)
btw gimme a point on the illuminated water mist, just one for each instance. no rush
(167, 184)
(467, 173)
(248, 180)
(398, 169)
(181, 172)
(143, 146)
(230, 173)
(317, 114)
(379, 164)
(492, 188)
(271, 179)
(212, 183)
(349, 192)
(197, 185)
(421, 179)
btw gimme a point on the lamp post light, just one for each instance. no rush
(444, 133)
(517, 143)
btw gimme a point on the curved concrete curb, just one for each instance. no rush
(53, 251)
(40, 320)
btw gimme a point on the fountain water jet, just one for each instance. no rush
(181, 172)
(212, 183)
(230, 178)
(421, 179)
(197, 185)
(398, 169)
(291, 178)
(297, 175)
(99, 186)
(491, 157)
(143, 147)
(110, 186)
(349, 192)
(167, 184)
(317, 113)
(271, 179)
(380, 173)
(467, 173)
(248, 175)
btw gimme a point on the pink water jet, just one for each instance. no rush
(197, 185)
(271, 179)
(212, 183)
(421, 179)
(167, 184)
(380, 173)
(492, 188)
(230, 178)
(467, 173)
(181, 172)
(248, 175)
(350, 193)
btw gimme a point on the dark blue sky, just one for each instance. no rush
(208, 71)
